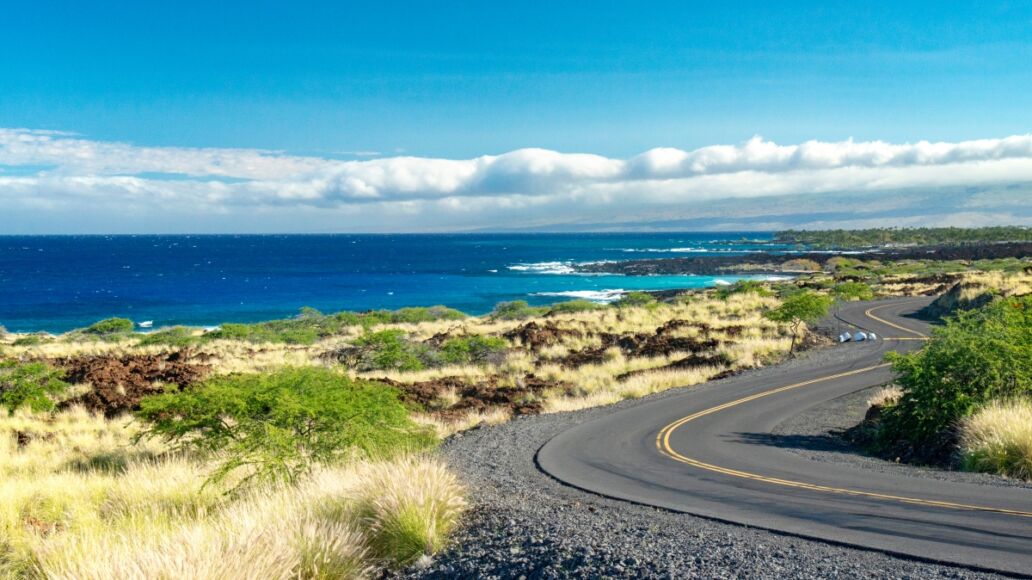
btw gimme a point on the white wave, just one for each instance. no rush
(566, 267)
(545, 268)
(720, 282)
(690, 250)
(777, 278)
(611, 295)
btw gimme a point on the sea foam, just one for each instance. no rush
(610, 295)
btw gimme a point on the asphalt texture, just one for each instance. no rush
(721, 451)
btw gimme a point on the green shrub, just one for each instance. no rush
(978, 356)
(573, 306)
(636, 300)
(30, 340)
(281, 331)
(34, 385)
(801, 307)
(516, 310)
(433, 313)
(744, 287)
(110, 327)
(278, 426)
(310, 325)
(853, 291)
(474, 349)
(388, 350)
(177, 336)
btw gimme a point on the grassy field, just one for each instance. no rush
(82, 499)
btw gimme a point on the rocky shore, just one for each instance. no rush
(774, 262)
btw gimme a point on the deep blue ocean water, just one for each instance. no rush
(56, 283)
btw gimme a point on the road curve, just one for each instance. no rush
(712, 452)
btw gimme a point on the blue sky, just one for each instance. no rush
(361, 80)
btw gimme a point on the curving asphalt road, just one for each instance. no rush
(712, 452)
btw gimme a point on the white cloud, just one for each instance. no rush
(45, 170)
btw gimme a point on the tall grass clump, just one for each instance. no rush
(998, 439)
(409, 507)
(151, 515)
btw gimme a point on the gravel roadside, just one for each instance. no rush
(524, 524)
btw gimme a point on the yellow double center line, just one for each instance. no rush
(917, 335)
(664, 447)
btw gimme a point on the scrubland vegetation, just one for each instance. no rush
(299, 447)
(328, 484)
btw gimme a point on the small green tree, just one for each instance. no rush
(853, 291)
(34, 385)
(572, 306)
(636, 300)
(110, 327)
(516, 310)
(474, 349)
(388, 350)
(743, 287)
(278, 426)
(799, 309)
(177, 336)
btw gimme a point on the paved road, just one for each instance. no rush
(712, 452)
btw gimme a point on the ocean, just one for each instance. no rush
(57, 283)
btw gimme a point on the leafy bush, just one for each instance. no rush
(388, 350)
(30, 340)
(977, 357)
(283, 331)
(573, 306)
(998, 439)
(431, 314)
(516, 310)
(110, 327)
(177, 336)
(34, 385)
(743, 287)
(636, 300)
(474, 349)
(278, 426)
(853, 291)
(802, 307)
(310, 325)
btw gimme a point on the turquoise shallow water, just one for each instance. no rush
(56, 283)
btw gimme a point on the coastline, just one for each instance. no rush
(772, 263)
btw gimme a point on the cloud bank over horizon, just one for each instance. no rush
(49, 177)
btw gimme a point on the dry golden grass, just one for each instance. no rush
(885, 396)
(998, 439)
(80, 500)
(443, 428)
